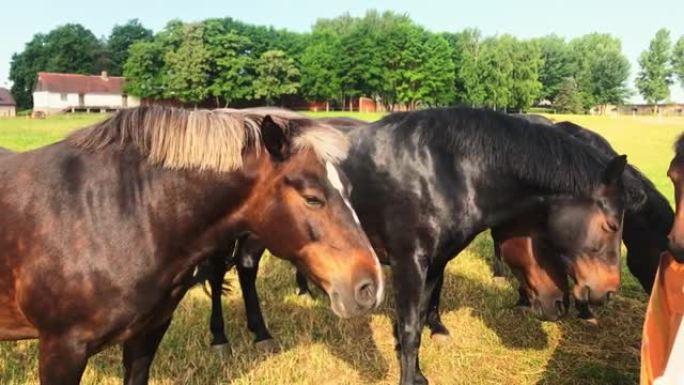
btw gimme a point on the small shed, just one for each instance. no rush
(8, 107)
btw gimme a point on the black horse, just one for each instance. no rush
(426, 183)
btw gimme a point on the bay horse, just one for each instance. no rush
(645, 231)
(100, 233)
(414, 172)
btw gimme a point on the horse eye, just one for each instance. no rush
(314, 201)
(611, 227)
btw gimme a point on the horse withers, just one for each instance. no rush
(101, 232)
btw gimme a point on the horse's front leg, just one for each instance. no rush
(408, 276)
(439, 332)
(62, 360)
(217, 273)
(248, 255)
(138, 354)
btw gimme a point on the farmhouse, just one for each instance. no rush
(55, 93)
(7, 105)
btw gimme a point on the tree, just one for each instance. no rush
(321, 78)
(557, 65)
(525, 85)
(655, 77)
(601, 69)
(568, 99)
(496, 68)
(277, 75)
(678, 60)
(466, 47)
(143, 70)
(186, 67)
(69, 48)
(231, 71)
(438, 72)
(120, 40)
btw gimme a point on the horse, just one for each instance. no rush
(645, 230)
(414, 172)
(662, 347)
(101, 232)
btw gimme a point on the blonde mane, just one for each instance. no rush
(206, 139)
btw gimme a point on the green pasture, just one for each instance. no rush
(491, 343)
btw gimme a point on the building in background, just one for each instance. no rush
(57, 93)
(8, 107)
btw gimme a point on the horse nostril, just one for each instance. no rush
(365, 293)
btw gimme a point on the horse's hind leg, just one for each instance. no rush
(217, 274)
(498, 265)
(248, 255)
(61, 360)
(138, 353)
(439, 332)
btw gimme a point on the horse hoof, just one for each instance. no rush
(440, 338)
(591, 322)
(267, 346)
(222, 350)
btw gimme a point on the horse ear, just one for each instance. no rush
(613, 172)
(275, 139)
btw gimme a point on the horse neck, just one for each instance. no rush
(648, 226)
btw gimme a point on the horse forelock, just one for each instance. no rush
(205, 139)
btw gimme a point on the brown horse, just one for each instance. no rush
(100, 233)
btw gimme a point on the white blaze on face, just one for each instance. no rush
(336, 182)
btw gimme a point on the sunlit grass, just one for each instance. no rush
(491, 343)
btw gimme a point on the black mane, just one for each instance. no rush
(657, 207)
(535, 153)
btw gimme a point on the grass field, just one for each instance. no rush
(491, 343)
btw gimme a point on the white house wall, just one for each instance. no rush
(52, 101)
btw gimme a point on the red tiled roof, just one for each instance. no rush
(81, 84)
(6, 98)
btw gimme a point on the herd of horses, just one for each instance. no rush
(103, 233)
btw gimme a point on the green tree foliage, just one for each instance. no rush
(120, 40)
(466, 47)
(321, 78)
(655, 77)
(601, 69)
(143, 70)
(568, 99)
(678, 60)
(186, 66)
(526, 87)
(557, 65)
(276, 75)
(230, 65)
(68, 48)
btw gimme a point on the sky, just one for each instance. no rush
(634, 24)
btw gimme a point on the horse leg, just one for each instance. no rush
(409, 286)
(219, 341)
(61, 360)
(439, 332)
(249, 254)
(138, 354)
(302, 284)
(498, 266)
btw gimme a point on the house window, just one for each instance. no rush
(63, 97)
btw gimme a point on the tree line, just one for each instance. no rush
(385, 56)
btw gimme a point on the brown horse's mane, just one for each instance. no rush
(176, 138)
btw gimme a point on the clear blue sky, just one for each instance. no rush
(633, 22)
